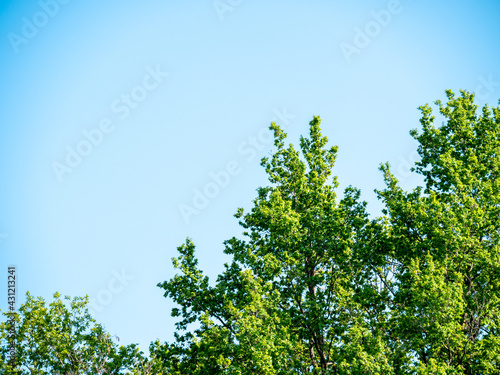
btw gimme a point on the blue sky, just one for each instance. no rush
(116, 115)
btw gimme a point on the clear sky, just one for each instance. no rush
(128, 126)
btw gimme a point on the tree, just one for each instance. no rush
(314, 286)
(290, 301)
(445, 242)
(64, 339)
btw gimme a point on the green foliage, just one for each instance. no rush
(445, 243)
(316, 287)
(63, 338)
(289, 302)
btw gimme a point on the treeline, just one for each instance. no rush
(315, 285)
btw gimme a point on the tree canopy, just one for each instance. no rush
(315, 285)
(62, 338)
